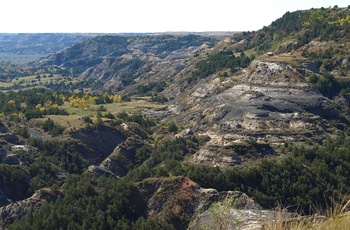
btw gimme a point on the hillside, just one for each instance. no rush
(120, 61)
(291, 93)
(23, 48)
(42, 44)
(177, 131)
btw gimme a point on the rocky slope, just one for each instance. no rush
(124, 153)
(269, 103)
(281, 97)
(18, 209)
(275, 101)
(180, 200)
(188, 206)
(120, 61)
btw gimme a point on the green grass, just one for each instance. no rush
(74, 119)
(134, 106)
(28, 82)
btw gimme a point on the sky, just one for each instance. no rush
(124, 16)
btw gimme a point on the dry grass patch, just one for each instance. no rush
(75, 118)
(134, 106)
(335, 217)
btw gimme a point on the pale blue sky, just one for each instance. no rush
(107, 16)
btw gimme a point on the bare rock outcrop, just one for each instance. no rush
(123, 155)
(269, 103)
(99, 142)
(18, 209)
(160, 192)
(180, 196)
(234, 218)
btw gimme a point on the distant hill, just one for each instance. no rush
(121, 61)
(38, 43)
